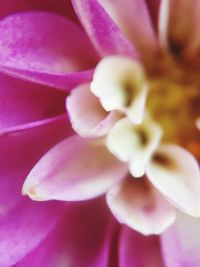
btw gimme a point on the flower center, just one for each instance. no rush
(166, 95)
(175, 104)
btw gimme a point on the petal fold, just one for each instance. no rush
(87, 116)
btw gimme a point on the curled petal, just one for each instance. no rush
(134, 143)
(136, 203)
(119, 82)
(87, 116)
(75, 169)
(50, 51)
(175, 172)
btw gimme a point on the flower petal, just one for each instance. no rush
(180, 243)
(119, 82)
(14, 169)
(52, 50)
(134, 143)
(134, 20)
(63, 81)
(23, 102)
(137, 250)
(61, 7)
(24, 224)
(103, 32)
(175, 172)
(75, 169)
(179, 26)
(87, 116)
(137, 204)
(154, 8)
(70, 244)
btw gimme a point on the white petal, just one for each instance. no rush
(119, 83)
(175, 172)
(134, 143)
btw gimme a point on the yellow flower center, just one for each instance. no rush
(174, 102)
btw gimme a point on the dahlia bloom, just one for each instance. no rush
(134, 110)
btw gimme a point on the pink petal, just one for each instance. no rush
(87, 116)
(75, 169)
(136, 203)
(24, 224)
(51, 50)
(62, 7)
(18, 155)
(181, 243)
(81, 239)
(179, 27)
(175, 172)
(134, 20)
(63, 81)
(103, 32)
(24, 228)
(22, 102)
(138, 251)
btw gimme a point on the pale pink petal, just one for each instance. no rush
(181, 243)
(75, 169)
(179, 26)
(134, 20)
(102, 30)
(23, 102)
(62, 81)
(82, 239)
(136, 250)
(51, 50)
(87, 116)
(175, 172)
(137, 204)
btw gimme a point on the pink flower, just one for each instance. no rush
(126, 114)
